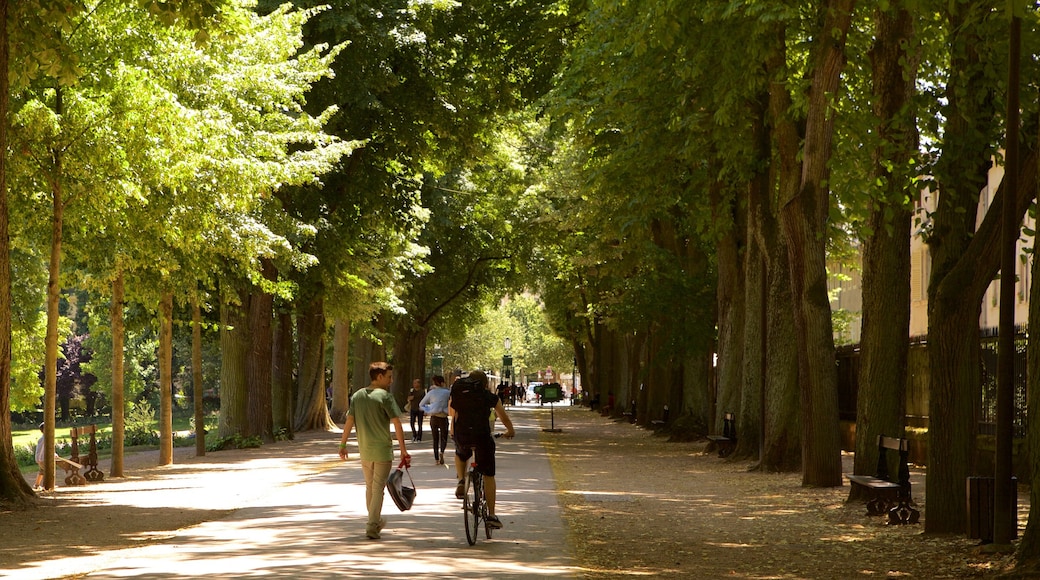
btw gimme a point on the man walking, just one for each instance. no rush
(372, 410)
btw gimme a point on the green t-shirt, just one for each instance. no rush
(372, 410)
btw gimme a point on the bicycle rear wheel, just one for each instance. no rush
(470, 508)
(482, 506)
(479, 504)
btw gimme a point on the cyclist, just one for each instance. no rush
(470, 407)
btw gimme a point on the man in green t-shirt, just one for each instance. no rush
(372, 410)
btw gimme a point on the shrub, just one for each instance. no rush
(234, 442)
(25, 455)
(138, 428)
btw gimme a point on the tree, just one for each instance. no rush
(423, 84)
(71, 380)
(40, 52)
(964, 253)
(886, 262)
(13, 488)
(805, 203)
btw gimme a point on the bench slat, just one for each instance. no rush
(873, 482)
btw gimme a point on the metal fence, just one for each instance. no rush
(918, 380)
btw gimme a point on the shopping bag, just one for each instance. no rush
(403, 495)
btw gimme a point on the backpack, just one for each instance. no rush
(472, 401)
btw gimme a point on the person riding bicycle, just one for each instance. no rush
(470, 406)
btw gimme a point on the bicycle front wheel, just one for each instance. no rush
(471, 509)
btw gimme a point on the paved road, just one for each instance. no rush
(315, 528)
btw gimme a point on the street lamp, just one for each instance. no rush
(438, 360)
(507, 365)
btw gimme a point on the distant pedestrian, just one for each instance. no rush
(435, 404)
(415, 413)
(372, 410)
(41, 458)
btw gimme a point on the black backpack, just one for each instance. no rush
(470, 399)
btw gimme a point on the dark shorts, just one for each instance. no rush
(484, 444)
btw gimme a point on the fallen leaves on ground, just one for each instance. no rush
(637, 505)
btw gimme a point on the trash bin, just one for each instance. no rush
(980, 508)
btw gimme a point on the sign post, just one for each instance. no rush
(552, 393)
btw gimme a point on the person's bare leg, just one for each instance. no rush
(460, 467)
(460, 471)
(489, 493)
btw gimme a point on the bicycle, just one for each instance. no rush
(474, 502)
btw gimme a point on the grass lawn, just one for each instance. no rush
(26, 436)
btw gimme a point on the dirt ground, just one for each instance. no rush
(635, 505)
(638, 505)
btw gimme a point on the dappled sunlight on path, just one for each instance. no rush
(295, 510)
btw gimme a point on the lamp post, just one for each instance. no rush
(507, 364)
(437, 365)
(574, 379)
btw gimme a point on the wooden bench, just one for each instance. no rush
(630, 414)
(72, 476)
(92, 474)
(726, 442)
(888, 496)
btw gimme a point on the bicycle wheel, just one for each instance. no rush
(479, 507)
(484, 508)
(470, 511)
(487, 527)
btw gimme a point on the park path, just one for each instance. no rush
(302, 515)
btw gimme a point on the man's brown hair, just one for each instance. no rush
(379, 368)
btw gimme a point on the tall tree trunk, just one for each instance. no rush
(409, 359)
(964, 262)
(1004, 489)
(234, 346)
(634, 349)
(1028, 553)
(954, 351)
(341, 370)
(770, 345)
(881, 403)
(196, 377)
(596, 361)
(14, 491)
(166, 379)
(118, 378)
(664, 386)
(665, 365)
(731, 309)
(783, 446)
(753, 350)
(53, 297)
(804, 217)
(258, 365)
(956, 290)
(281, 374)
(696, 394)
(311, 412)
(365, 353)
